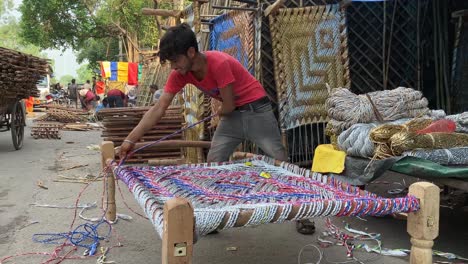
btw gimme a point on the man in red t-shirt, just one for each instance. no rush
(246, 111)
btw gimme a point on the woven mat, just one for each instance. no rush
(220, 191)
(309, 48)
(233, 33)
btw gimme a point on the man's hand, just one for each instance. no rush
(125, 149)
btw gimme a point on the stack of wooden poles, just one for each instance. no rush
(19, 74)
(119, 122)
(46, 130)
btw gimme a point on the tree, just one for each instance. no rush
(5, 5)
(65, 79)
(105, 49)
(9, 38)
(84, 73)
(71, 23)
(56, 24)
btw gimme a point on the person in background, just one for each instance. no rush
(88, 99)
(104, 104)
(132, 96)
(100, 87)
(116, 98)
(73, 93)
(93, 85)
(154, 89)
(87, 85)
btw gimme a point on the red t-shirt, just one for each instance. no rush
(222, 70)
(100, 87)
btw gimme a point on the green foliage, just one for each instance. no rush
(84, 73)
(95, 50)
(90, 26)
(65, 79)
(56, 24)
(5, 5)
(9, 38)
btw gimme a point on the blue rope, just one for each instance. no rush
(85, 235)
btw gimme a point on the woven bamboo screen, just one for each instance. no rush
(309, 50)
(233, 33)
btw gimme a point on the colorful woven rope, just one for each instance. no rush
(309, 50)
(233, 33)
(224, 190)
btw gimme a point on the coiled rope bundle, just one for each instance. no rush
(346, 108)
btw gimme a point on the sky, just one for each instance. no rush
(65, 62)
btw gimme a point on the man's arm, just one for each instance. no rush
(150, 119)
(228, 105)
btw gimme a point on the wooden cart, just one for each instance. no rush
(19, 75)
(12, 117)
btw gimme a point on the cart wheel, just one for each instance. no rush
(17, 125)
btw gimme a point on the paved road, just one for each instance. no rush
(46, 160)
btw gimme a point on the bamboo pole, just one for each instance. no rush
(273, 9)
(161, 12)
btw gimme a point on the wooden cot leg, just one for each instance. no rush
(107, 152)
(177, 246)
(423, 225)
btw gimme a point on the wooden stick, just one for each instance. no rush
(177, 246)
(234, 8)
(173, 144)
(423, 225)
(161, 12)
(107, 152)
(165, 162)
(251, 2)
(273, 9)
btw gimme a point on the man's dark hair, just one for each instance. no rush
(73, 81)
(154, 86)
(105, 102)
(177, 41)
(87, 81)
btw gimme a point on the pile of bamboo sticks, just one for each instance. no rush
(46, 130)
(119, 122)
(62, 116)
(19, 74)
(75, 111)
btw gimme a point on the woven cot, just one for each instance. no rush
(219, 192)
(187, 201)
(309, 50)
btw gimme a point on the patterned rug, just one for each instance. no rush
(221, 192)
(309, 48)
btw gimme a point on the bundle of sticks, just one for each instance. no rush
(119, 122)
(63, 116)
(19, 74)
(46, 130)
